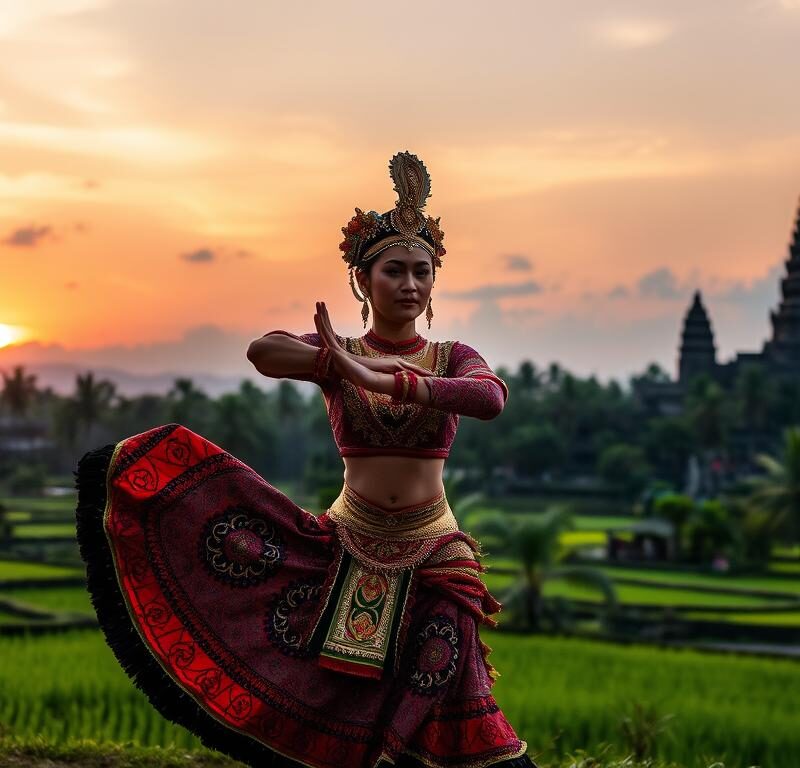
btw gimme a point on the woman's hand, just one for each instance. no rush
(387, 364)
(393, 364)
(346, 365)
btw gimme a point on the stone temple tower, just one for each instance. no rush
(698, 353)
(783, 349)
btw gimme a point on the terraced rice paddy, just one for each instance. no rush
(560, 693)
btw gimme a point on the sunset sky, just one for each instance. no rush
(175, 174)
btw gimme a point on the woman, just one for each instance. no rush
(348, 639)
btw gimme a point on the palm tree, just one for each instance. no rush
(92, 399)
(533, 540)
(463, 503)
(778, 491)
(19, 390)
(753, 389)
(185, 401)
(707, 413)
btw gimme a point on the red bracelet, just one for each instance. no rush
(405, 386)
(322, 363)
(400, 386)
(413, 380)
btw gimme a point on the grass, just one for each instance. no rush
(17, 753)
(792, 568)
(561, 694)
(775, 618)
(19, 570)
(627, 593)
(91, 754)
(709, 580)
(65, 504)
(44, 530)
(71, 599)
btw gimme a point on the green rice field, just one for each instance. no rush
(39, 530)
(19, 570)
(71, 599)
(560, 693)
(709, 580)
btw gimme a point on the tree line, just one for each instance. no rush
(555, 427)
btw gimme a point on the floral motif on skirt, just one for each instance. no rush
(217, 592)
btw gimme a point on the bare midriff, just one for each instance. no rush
(394, 481)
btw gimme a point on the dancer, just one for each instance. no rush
(285, 639)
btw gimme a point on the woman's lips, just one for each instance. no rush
(406, 301)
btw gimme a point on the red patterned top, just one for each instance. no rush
(367, 423)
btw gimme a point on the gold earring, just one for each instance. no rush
(365, 311)
(429, 312)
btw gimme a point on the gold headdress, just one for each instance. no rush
(369, 233)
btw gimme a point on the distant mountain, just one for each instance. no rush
(61, 378)
(215, 359)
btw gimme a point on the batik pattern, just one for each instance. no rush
(364, 624)
(247, 659)
(241, 549)
(366, 423)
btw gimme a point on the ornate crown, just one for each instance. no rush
(369, 233)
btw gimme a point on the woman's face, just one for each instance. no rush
(399, 283)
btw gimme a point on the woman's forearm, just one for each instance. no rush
(481, 398)
(278, 354)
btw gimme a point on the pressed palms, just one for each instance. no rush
(533, 540)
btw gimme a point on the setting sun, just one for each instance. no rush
(8, 335)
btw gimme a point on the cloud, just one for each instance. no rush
(618, 292)
(661, 283)
(200, 256)
(764, 291)
(201, 349)
(516, 261)
(28, 237)
(633, 33)
(496, 291)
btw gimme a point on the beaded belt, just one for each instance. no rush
(417, 521)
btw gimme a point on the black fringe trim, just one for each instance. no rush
(133, 655)
(406, 761)
(141, 666)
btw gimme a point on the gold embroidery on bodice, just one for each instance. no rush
(384, 423)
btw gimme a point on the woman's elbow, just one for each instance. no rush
(253, 350)
(258, 353)
(494, 401)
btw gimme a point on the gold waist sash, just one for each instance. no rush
(381, 549)
(427, 520)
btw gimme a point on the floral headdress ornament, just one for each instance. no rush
(369, 233)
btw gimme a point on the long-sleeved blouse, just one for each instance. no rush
(366, 423)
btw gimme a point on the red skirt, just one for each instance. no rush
(237, 612)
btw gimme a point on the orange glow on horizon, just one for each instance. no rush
(591, 170)
(10, 334)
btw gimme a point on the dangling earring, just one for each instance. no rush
(365, 311)
(429, 312)
(362, 299)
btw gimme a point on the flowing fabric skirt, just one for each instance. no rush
(281, 638)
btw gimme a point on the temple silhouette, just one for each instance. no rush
(779, 356)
